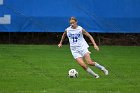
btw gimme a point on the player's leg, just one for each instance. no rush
(85, 67)
(93, 63)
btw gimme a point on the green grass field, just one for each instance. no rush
(44, 69)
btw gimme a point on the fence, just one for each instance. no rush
(54, 38)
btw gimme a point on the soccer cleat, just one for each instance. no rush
(105, 71)
(96, 76)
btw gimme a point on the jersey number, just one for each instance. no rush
(75, 39)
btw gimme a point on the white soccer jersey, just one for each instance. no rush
(75, 37)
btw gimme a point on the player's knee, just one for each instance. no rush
(89, 62)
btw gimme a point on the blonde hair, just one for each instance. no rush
(73, 18)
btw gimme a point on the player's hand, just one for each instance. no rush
(96, 47)
(59, 45)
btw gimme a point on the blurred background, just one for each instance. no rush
(111, 22)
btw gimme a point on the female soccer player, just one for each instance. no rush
(79, 47)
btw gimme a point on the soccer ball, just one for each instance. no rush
(72, 73)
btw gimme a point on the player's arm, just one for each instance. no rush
(62, 39)
(91, 39)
